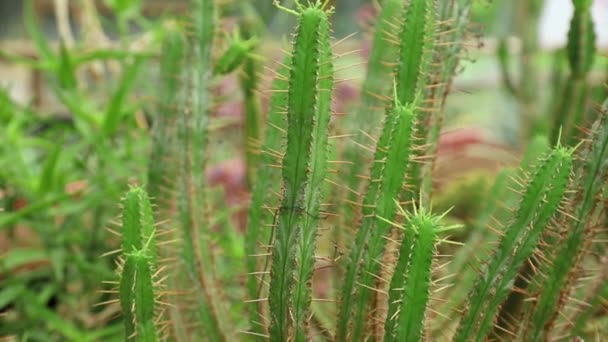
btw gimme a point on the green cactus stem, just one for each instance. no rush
(304, 167)
(588, 189)
(538, 205)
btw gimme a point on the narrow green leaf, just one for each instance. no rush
(47, 177)
(115, 111)
(36, 34)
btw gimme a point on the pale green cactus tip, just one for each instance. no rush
(318, 4)
(421, 212)
(138, 221)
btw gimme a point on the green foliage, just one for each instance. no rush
(64, 169)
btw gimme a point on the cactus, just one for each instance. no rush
(387, 289)
(160, 171)
(138, 292)
(237, 53)
(593, 301)
(452, 27)
(260, 218)
(391, 163)
(410, 286)
(191, 200)
(542, 198)
(585, 204)
(574, 102)
(303, 170)
(374, 95)
(249, 81)
(328, 251)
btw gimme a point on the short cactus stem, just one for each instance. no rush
(137, 290)
(410, 285)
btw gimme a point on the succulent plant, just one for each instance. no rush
(389, 275)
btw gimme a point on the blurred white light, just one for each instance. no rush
(555, 21)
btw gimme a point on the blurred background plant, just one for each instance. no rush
(83, 92)
(72, 139)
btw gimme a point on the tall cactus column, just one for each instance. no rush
(304, 168)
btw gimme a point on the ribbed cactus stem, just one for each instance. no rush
(574, 102)
(580, 222)
(137, 292)
(196, 247)
(259, 219)
(410, 285)
(538, 205)
(388, 174)
(144, 297)
(161, 172)
(303, 169)
(374, 95)
(315, 186)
